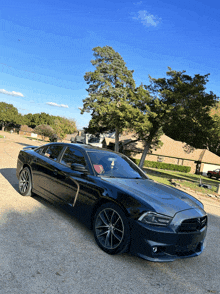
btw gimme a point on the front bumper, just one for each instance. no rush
(164, 243)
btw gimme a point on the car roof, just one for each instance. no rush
(84, 147)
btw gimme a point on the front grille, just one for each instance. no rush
(188, 251)
(193, 224)
(181, 250)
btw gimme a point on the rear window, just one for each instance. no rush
(51, 151)
(41, 150)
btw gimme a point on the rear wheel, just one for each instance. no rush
(111, 229)
(209, 175)
(25, 184)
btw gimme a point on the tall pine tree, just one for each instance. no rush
(110, 86)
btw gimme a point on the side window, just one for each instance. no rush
(72, 155)
(52, 151)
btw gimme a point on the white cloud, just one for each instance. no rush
(138, 3)
(13, 93)
(57, 105)
(147, 19)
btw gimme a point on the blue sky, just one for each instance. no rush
(46, 47)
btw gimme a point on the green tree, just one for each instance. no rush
(180, 107)
(190, 119)
(41, 118)
(110, 85)
(60, 125)
(149, 125)
(36, 119)
(26, 120)
(8, 114)
(214, 136)
(214, 142)
(63, 126)
(20, 120)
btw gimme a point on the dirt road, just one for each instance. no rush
(44, 250)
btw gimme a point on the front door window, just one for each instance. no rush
(71, 156)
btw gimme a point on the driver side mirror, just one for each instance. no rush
(79, 167)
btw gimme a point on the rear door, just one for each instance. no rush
(45, 168)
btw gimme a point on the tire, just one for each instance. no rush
(111, 229)
(25, 182)
(209, 175)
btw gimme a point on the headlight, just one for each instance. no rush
(155, 219)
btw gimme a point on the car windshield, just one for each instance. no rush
(113, 165)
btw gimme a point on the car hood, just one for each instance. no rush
(164, 199)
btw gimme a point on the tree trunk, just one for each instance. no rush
(144, 154)
(3, 126)
(147, 145)
(117, 140)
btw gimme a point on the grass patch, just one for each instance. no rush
(1, 137)
(191, 181)
(196, 188)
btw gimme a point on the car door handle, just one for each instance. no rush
(55, 172)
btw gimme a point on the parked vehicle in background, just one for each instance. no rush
(112, 195)
(79, 140)
(95, 141)
(89, 139)
(214, 174)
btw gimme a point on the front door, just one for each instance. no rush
(69, 183)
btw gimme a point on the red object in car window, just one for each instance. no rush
(98, 168)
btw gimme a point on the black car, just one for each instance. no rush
(113, 196)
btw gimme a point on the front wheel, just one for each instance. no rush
(25, 184)
(111, 229)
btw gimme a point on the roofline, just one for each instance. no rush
(85, 147)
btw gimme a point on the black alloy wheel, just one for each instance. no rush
(111, 229)
(25, 184)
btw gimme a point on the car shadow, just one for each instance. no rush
(65, 212)
(10, 175)
(26, 145)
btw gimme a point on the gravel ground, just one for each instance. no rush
(44, 250)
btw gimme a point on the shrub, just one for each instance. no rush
(44, 131)
(162, 165)
(135, 160)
